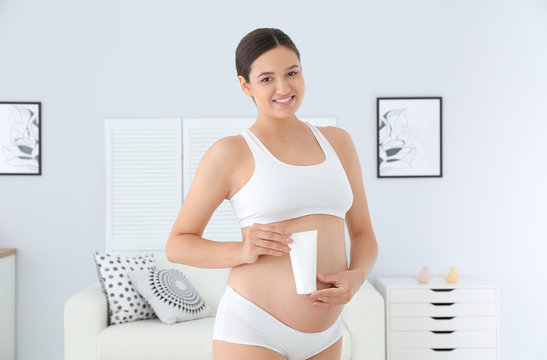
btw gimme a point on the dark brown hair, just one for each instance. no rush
(258, 42)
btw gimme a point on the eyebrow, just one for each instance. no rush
(269, 72)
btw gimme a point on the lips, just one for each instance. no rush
(284, 101)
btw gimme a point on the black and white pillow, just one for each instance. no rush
(125, 304)
(171, 295)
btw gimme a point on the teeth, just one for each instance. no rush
(284, 100)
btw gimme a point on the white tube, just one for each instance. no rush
(304, 260)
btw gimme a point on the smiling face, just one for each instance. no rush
(276, 83)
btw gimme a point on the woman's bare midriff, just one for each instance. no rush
(269, 282)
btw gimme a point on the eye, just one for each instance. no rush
(293, 72)
(264, 80)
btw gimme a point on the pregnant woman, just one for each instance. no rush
(282, 175)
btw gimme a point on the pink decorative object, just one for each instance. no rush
(423, 276)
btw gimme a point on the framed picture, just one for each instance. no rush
(409, 137)
(20, 134)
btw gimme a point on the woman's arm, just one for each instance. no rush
(210, 186)
(364, 248)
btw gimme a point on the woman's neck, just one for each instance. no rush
(276, 127)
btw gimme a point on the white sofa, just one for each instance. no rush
(87, 336)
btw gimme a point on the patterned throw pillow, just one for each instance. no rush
(125, 304)
(171, 295)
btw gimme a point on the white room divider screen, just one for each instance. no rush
(143, 159)
(150, 165)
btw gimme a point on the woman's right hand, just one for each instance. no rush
(265, 239)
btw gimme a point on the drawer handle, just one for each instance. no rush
(442, 317)
(443, 349)
(442, 331)
(441, 289)
(442, 304)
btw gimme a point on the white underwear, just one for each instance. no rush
(240, 321)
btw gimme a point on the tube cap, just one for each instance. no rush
(306, 288)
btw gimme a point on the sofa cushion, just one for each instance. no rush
(171, 295)
(346, 343)
(210, 283)
(153, 340)
(125, 304)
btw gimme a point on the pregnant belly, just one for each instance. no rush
(269, 282)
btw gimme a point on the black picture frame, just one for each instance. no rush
(20, 138)
(409, 137)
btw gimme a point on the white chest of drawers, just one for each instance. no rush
(7, 304)
(439, 320)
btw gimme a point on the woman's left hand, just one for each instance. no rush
(344, 285)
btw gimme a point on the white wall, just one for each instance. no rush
(87, 61)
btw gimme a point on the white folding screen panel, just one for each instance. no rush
(198, 135)
(143, 176)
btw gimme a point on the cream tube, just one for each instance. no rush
(304, 260)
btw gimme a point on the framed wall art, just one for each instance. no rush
(20, 142)
(409, 137)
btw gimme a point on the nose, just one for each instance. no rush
(283, 87)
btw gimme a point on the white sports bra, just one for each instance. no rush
(279, 191)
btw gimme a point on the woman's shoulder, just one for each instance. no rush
(228, 148)
(342, 143)
(337, 136)
(227, 154)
